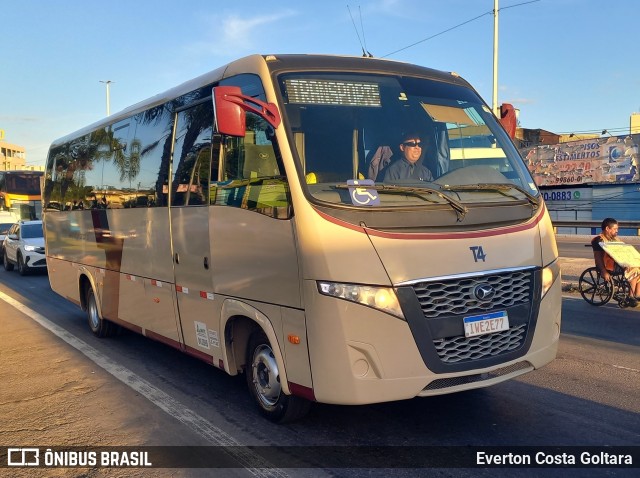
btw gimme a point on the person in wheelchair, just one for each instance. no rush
(607, 266)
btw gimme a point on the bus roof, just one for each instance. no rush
(276, 64)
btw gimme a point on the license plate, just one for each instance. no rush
(485, 323)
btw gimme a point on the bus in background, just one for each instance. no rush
(244, 218)
(20, 194)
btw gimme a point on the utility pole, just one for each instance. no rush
(496, 111)
(108, 83)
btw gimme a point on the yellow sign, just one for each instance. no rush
(1, 134)
(624, 254)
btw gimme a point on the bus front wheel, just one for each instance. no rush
(263, 379)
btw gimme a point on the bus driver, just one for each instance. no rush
(409, 165)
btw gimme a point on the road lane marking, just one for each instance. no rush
(253, 462)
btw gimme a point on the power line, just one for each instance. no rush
(622, 129)
(490, 12)
(437, 34)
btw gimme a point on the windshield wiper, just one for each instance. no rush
(499, 187)
(458, 207)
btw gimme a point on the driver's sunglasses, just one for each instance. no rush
(413, 144)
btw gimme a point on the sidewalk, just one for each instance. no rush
(571, 268)
(52, 395)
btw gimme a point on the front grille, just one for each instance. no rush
(445, 302)
(462, 349)
(456, 296)
(39, 262)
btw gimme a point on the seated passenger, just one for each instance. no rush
(408, 165)
(605, 263)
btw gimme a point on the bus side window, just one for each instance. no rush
(192, 156)
(253, 178)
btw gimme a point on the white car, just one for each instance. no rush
(4, 228)
(24, 246)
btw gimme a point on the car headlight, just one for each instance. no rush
(549, 276)
(380, 298)
(29, 248)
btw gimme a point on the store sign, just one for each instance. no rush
(602, 160)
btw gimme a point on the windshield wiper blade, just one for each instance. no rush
(458, 207)
(499, 187)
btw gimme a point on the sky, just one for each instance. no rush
(567, 65)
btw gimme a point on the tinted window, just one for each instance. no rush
(152, 142)
(192, 156)
(252, 176)
(77, 170)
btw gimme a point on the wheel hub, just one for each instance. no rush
(266, 377)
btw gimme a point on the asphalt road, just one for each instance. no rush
(587, 397)
(574, 246)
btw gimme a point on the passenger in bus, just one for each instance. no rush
(605, 263)
(408, 166)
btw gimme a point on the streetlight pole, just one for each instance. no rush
(496, 111)
(108, 83)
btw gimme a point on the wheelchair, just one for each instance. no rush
(597, 291)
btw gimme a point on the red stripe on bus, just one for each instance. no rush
(302, 391)
(165, 340)
(127, 325)
(198, 354)
(433, 236)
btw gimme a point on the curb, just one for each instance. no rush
(569, 286)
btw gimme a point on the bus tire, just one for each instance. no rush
(23, 269)
(8, 265)
(263, 381)
(100, 327)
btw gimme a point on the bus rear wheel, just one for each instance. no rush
(100, 327)
(263, 379)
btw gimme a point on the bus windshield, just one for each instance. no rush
(401, 134)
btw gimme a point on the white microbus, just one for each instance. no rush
(265, 218)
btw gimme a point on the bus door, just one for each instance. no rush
(191, 169)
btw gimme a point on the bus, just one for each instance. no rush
(20, 194)
(241, 218)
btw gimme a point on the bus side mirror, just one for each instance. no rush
(230, 107)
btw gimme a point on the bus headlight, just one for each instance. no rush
(549, 276)
(380, 298)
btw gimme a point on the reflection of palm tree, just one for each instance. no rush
(83, 154)
(127, 162)
(196, 125)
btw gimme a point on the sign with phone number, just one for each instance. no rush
(566, 194)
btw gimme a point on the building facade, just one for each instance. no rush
(12, 157)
